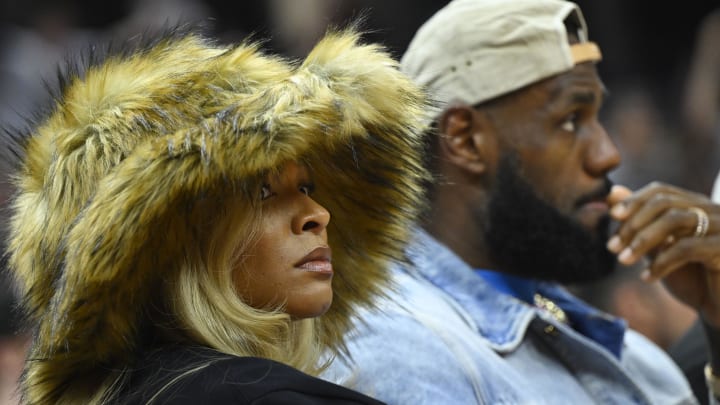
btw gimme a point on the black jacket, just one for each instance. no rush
(226, 380)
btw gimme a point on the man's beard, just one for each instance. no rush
(528, 237)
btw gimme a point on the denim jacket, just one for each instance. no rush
(445, 336)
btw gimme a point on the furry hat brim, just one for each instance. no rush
(109, 175)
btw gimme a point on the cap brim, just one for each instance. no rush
(585, 52)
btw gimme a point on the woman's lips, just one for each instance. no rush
(317, 261)
(318, 266)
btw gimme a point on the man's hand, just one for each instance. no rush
(661, 223)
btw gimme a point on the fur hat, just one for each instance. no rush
(105, 182)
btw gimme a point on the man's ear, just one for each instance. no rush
(463, 138)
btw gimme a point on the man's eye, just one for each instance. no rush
(265, 192)
(570, 123)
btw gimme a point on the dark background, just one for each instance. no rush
(647, 49)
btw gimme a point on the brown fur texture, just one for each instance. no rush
(108, 178)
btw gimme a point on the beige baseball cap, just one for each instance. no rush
(475, 50)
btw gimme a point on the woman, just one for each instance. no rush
(172, 231)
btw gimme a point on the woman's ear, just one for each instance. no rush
(463, 138)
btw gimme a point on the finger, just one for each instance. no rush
(618, 200)
(617, 194)
(623, 204)
(656, 234)
(703, 251)
(655, 209)
(638, 199)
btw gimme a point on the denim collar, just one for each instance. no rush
(521, 288)
(498, 316)
(604, 329)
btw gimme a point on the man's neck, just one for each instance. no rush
(455, 228)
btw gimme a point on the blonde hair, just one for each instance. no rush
(209, 308)
(201, 306)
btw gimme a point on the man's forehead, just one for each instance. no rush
(581, 85)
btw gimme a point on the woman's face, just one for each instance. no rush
(291, 261)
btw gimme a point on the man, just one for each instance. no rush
(691, 351)
(522, 204)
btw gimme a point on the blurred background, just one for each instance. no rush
(661, 66)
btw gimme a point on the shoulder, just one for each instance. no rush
(206, 376)
(416, 348)
(652, 368)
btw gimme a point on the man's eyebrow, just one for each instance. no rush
(580, 96)
(583, 97)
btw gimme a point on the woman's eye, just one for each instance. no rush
(570, 123)
(307, 189)
(265, 192)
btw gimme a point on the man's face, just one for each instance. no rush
(547, 214)
(529, 237)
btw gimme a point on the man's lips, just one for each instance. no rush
(598, 205)
(319, 260)
(597, 200)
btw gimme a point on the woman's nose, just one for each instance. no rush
(312, 218)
